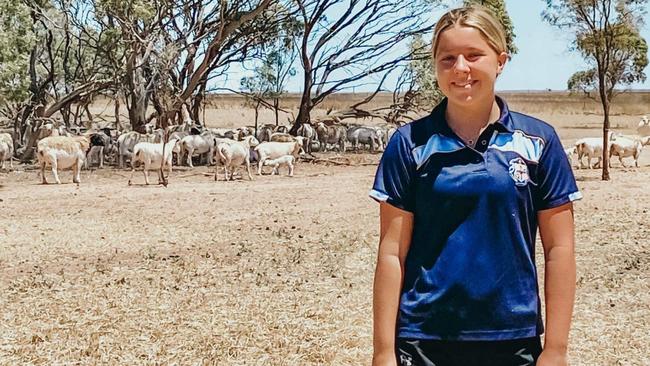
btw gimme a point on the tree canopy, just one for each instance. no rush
(606, 34)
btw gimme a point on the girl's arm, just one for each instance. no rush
(396, 227)
(557, 233)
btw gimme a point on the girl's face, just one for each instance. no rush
(466, 65)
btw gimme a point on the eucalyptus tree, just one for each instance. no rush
(606, 34)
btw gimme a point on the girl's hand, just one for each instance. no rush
(550, 357)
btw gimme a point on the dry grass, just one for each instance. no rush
(277, 271)
(564, 109)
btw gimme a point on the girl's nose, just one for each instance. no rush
(461, 65)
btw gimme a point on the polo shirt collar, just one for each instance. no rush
(503, 124)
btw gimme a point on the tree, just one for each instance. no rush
(342, 43)
(272, 74)
(607, 36)
(16, 42)
(498, 7)
(168, 50)
(62, 69)
(256, 89)
(422, 72)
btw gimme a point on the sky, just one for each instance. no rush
(543, 61)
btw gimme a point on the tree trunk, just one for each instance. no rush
(196, 102)
(77, 115)
(257, 108)
(89, 125)
(605, 102)
(118, 125)
(303, 117)
(306, 103)
(195, 107)
(276, 106)
(137, 113)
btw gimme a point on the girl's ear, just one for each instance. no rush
(502, 58)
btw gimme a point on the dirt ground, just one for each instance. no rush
(277, 271)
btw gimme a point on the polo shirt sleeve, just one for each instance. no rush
(394, 175)
(556, 183)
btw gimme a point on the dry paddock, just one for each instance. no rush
(277, 271)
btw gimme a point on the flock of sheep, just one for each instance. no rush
(232, 148)
(620, 145)
(224, 148)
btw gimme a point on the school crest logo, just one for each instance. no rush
(519, 171)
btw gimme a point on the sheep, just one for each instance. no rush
(569, 151)
(100, 141)
(287, 160)
(229, 133)
(307, 131)
(151, 155)
(264, 133)
(334, 134)
(382, 133)
(62, 152)
(197, 144)
(625, 146)
(282, 137)
(281, 129)
(592, 147)
(245, 131)
(644, 126)
(274, 150)
(364, 135)
(6, 150)
(49, 129)
(232, 154)
(178, 135)
(127, 141)
(390, 133)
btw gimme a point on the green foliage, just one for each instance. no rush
(16, 42)
(498, 7)
(278, 55)
(423, 73)
(607, 36)
(143, 10)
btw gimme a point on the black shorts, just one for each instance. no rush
(516, 352)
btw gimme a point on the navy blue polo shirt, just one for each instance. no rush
(470, 271)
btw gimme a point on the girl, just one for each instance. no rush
(462, 193)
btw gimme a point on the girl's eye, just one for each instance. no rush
(448, 59)
(473, 57)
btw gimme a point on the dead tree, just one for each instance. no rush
(361, 39)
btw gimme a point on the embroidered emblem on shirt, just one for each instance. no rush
(405, 360)
(519, 171)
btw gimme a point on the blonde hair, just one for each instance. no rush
(475, 16)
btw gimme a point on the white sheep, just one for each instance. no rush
(232, 154)
(62, 152)
(569, 151)
(6, 150)
(644, 126)
(592, 147)
(151, 155)
(274, 150)
(197, 144)
(127, 141)
(286, 160)
(626, 146)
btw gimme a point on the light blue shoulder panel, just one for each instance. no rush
(528, 147)
(437, 143)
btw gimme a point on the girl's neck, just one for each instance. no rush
(471, 120)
